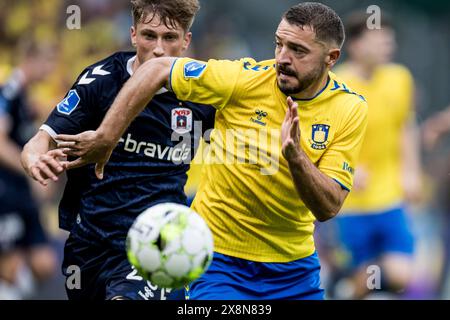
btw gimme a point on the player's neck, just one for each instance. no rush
(314, 89)
(361, 70)
(136, 64)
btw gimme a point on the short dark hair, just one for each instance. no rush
(356, 23)
(31, 48)
(323, 20)
(171, 12)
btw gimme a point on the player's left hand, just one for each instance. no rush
(290, 132)
(89, 147)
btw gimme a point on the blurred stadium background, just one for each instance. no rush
(232, 29)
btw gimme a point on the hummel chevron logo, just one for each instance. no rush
(97, 71)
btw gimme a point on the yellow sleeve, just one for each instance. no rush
(212, 82)
(341, 157)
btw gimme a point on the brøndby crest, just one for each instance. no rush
(319, 137)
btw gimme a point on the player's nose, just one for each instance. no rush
(283, 57)
(158, 50)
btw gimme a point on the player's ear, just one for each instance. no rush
(133, 35)
(187, 40)
(332, 57)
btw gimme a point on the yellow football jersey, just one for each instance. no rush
(389, 95)
(246, 193)
(195, 170)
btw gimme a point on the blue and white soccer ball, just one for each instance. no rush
(170, 245)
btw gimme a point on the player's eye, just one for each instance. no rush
(298, 51)
(170, 38)
(150, 36)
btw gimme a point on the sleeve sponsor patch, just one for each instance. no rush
(194, 69)
(69, 103)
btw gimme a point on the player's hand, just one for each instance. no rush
(89, 147)
(360, 179)
(290, 132)
(47, 166)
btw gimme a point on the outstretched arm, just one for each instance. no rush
(97, 146)
(40, 160)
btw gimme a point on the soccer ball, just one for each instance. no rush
(170, 245)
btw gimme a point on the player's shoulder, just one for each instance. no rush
(254, 72)
(395, 68)
(115, 68)
(395, 72)
(244, 64)
(253, 65)
(254, 69)
(194, 68)
(116, 61)
(343, 92)
(347, 105)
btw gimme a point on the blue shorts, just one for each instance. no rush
(369, 236)
(230, 278)
(106, 274)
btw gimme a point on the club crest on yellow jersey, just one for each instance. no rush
(319, 136)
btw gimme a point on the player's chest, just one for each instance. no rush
(170, 117)
(317, 126)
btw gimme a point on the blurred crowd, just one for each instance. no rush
(34, 38)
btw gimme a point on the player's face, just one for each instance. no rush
(154, 39)
(43, 64)
(374, 47)
(301, 60)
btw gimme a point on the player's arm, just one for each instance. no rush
(135, 95)
(11, 157)
(41, 160)
(321, 194)
(210, 83)
(435, 127)
(411, 161)
(409, 141)
(97, 146)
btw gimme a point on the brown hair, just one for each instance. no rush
(324, 21)
(356, 24)
(171, 12)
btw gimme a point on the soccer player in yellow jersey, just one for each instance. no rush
(373, 226)
(274, 167)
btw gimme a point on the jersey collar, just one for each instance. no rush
(130, 72)
(323, 94)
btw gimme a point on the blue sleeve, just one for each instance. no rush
(4, 104)
(74, 114)
(81, 109)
